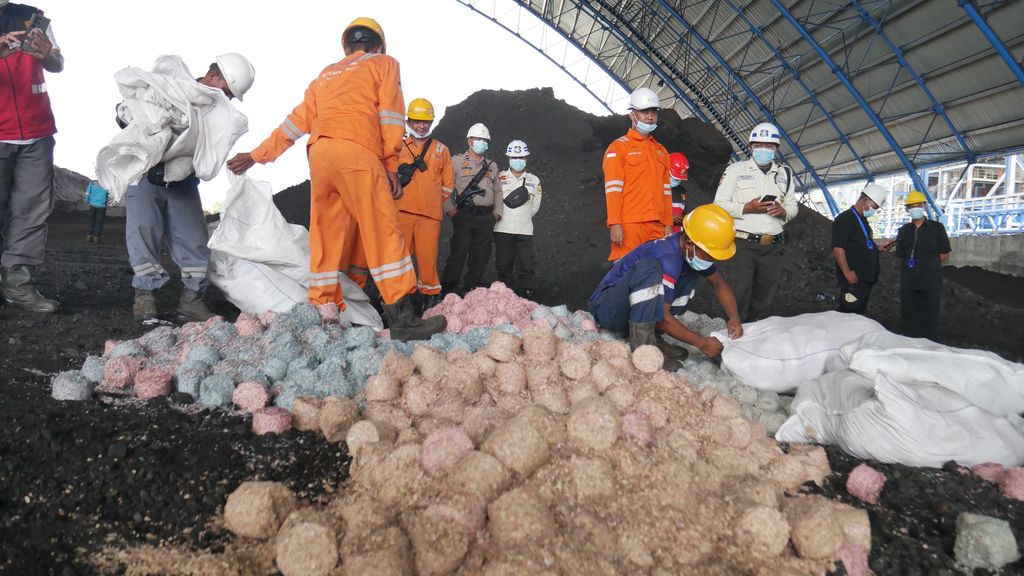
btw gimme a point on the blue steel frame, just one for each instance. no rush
(882, 129)
(990, 35)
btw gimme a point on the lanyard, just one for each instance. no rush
(912, 262)
(864, 229)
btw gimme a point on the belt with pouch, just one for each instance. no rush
(763, 239)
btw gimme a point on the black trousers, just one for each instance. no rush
(96, 218)
(861, 292)
(514, 253)
(472, 235)
(754, 274)
(920, 312)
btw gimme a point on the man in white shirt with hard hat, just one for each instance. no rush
(760, 195)
(513, 235)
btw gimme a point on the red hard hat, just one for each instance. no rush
(678, 166)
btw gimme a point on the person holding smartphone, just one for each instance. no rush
(759, 194)
(27, 50)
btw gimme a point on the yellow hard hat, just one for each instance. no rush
(366, 23)
(712, 229)
(915, 197)
(421, 109)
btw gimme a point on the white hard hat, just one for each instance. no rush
(643, 99)
(876, 193)
(478, 130)
(237, 72)
(765, 132)
(517, 149)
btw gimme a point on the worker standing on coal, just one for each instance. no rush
(26, 151)
(678, 175)
(425, 173)
(922, 246)
(513, 235)
(353, 113)
(474, 208)
(759, 194)
(856, 251)
(156, 210)
(637, 191)
(96, 196)
(636, 295)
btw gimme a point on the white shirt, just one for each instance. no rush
(519, 220)
(743, 182)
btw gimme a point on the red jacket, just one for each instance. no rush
(24, 104)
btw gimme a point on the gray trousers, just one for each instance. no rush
(153, 213)
(754, 274)
(26, 200)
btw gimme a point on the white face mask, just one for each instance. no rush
(479, 146)
(517, 164)
(673, 182)
(916, 213)
(417, 135)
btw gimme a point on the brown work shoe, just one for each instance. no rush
(144, 307)
(191, 307)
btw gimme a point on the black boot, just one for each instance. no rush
(144, 307)
(191, 307)
(405, 325)
(19, 291)
(670, 351)
(643, 333)
(431, 300)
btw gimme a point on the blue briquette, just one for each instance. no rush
(221, 332)
(284, 346)
(239, 371)
(304, 315)
(363, 363)
(510, 329)
(128, 348)
(93, 368)
(246, 349)
(562, 311)
(159, 339)
(333, 349)
(204, 355)
(71, 385)
(302, 363)
(359, 337)
(216, 390)
(188, 380)
(275, 369)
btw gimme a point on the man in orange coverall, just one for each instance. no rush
(353, 114)
(636, 181)
(427, 178)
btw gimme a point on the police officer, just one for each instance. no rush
(759, 194)
(473, 221)
(856, 251)
(922, 246)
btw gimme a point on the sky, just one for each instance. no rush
(446, 52)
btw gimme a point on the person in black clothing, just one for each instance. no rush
(922, 246)
(856, 252)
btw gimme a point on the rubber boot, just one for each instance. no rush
(643, 334)
(144, 307)
(669, 350)
(431, 300)
(405, 325)
(191, 307)
(19, 291)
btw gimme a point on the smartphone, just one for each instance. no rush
(38, 22)
(769, 198)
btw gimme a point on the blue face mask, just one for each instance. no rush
(673, 182)
(916, 213)
(698, 263)
(763, 156)
(517, 164)
(479, 146)
(870, 212)
(645, 128)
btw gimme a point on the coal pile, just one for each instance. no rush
(571, 240)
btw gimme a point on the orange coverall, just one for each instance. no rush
(353, 113)
(636, 190)
(419, 210)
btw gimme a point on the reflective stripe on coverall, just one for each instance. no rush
(353, 113)
(419, 209)
(153, 213)
(637, 190)
(637, 296)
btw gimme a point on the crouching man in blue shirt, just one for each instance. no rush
(640, 291)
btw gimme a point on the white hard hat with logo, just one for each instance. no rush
(876, 193)
(643, 99)
(765, 132)
(478, 130)
(237, 72)
(517, 149)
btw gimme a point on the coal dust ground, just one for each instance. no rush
(75, 477)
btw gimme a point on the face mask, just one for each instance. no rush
(517, 164)
(763, 156)
(916, 213)
(645, 128)
(673, 182)
(870, 212)
(479, 146)
(698, 263)
(418, 135)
